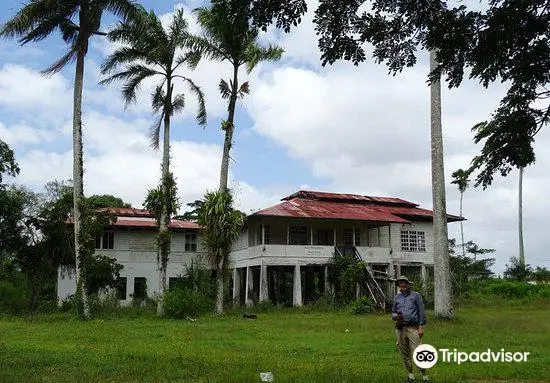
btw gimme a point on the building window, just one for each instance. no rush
(140, 288)
(412, 240)
(325, 237)
(191, 242)
(267, 235)
(121, 288)
(105, 241)
(357, 237)
(298, 235)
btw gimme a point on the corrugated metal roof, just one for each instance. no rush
(307, 208)
(357, 198)
(174, 224)
(127, 212)
(313, 204)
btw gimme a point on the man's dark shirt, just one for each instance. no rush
(411, 306)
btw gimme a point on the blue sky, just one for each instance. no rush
(339, 128)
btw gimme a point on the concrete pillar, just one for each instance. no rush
(311, 235)
(263, 234)
(328, 289)
(236, 287)
(398, 270)
(335, 236)
(264, 289)
(297, 290)
(357, 290)
(249, 287)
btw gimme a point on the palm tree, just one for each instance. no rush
(520, 218)
(78, 21)
(460, 178)
(151, 51)
(221, 226)
(442, 276)
(227, 35)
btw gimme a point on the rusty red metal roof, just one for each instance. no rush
(307, 208)
(127, 212)
(314, 204)
(141, 218)
(354, 198)
(151, 223)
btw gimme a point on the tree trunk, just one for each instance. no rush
(462, 226)
(520, 218)
(442, 277)
(164, 233)
(219, 288)
(229, 128)
(78, 188)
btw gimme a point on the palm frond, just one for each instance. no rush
(154, 132)
(244, 89)
(158, 99)
(128, 10)
(255, 53)
(196, 90)
(192, 58)
(224, 88)
(178, 104)
(38, 19)
(178, 29)
(207, 47)
(121, 56)
(61, 63)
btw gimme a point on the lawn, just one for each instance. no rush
(295, 345)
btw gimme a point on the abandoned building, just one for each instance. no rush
(284, 252)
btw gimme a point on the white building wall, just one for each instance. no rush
(136, 251)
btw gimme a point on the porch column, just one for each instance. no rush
(249, 286)
(236, 287)
(264, 291)
(334, 236)
(389, 236)
(311, 235)
(353, 235)
(378, 230)
(297, 290)
(391, 284)
(328, 290)
(357, 291)
(263, 234)
(287, 234)
(398, 269)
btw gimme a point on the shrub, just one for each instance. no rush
(362, 306)
(13, 299)
(507, 289)
(181, 303)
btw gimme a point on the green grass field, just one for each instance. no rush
(296, 345)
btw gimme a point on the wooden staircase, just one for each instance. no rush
(370, 283)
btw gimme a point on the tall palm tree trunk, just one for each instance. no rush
(442, 277)
(164, 240)
(220, 273)
(78, 188)
(520, 218)
(462, 226)
(229, 128)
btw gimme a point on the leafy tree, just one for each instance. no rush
(77, 21)
(345, 273)
(106, 200)
(541, 274)
(228, 35)
(461, 179)
(7, 161)
(150, 50)
(517, 271)
(193, 214)
(222, 225)
(465, 268)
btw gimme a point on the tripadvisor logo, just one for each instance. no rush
(426, 356)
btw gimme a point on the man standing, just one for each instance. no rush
(410, 318)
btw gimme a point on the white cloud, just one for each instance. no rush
(23, 134)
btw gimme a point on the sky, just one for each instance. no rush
(339, 128)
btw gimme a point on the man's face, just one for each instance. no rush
(403, 286)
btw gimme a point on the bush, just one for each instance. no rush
(13, 299)
(362, 306)
(181, 303)
(506, 289)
